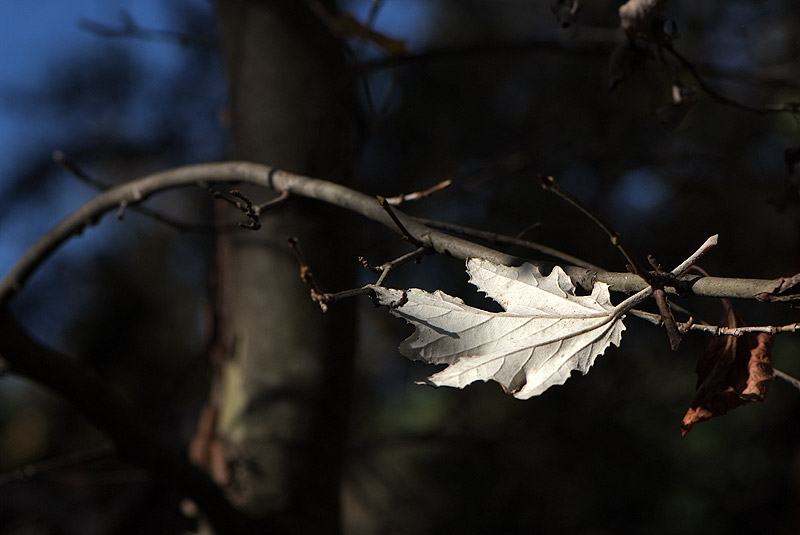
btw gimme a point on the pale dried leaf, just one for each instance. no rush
(544, 334)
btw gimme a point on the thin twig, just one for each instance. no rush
(242, 203)
(327, 298)
(549, 184)
(789, 107)
(317, 295)
(67, 163)
(786, 377)
(716, 330)
(530, 228)
(385, 268)
(272, 203)
(400, 226)
(397, 200)
(660, 296)
(501, 239)
(77, 171)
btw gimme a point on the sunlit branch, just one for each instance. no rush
(136, 191)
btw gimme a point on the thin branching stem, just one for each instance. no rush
(549, 184)
(136, 191)
(789, 107)
(388, 267)
(636, 299)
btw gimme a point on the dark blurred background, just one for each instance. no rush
(601, 454)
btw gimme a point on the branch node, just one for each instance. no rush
(385, 268)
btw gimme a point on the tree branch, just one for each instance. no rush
(136, 191)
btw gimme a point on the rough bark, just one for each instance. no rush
(284, 384)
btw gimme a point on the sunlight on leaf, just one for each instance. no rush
(544, 333)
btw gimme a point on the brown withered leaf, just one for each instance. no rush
(733, 371)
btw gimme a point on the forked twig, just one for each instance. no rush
(385, 268)
(242, 203)
(317, 295)
(397, 200)
(656, 279)
(77, 171)
(637, 298)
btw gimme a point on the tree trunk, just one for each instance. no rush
(284, 381)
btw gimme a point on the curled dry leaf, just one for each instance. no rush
(544, 333)
(733, 371)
